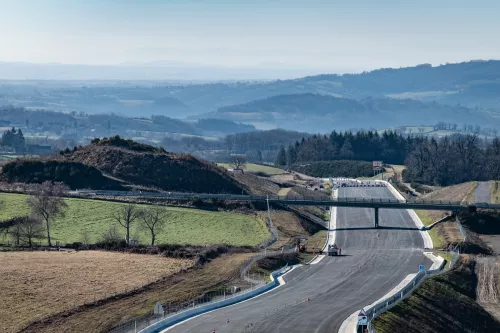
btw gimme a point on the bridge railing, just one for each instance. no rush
(307, 198)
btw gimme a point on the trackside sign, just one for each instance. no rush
(362, 318)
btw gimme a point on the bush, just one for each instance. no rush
(117, 141)
(421, 188)
(74, 174)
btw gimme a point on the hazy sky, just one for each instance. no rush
(344, 35)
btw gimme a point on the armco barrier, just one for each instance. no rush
(181, 316)
(385, 304)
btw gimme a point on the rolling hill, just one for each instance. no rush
(322, 113)
(471, 84)
(145, 165)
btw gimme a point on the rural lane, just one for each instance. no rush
(374, 261)
(482, 192)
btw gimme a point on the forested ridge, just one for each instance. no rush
(363, 145)
(450, 160)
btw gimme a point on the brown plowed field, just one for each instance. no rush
(39, 284)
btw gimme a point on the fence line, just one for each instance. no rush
(136, 324)
(149, 319)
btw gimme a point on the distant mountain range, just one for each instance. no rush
(472, 84)
(459, 93)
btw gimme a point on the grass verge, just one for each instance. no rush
(184, 225)
(316, 242)
(444, 303)
(438, 239)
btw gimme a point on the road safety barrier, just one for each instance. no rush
(376, 309)
(176, 318)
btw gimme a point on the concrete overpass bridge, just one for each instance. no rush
(313, 200)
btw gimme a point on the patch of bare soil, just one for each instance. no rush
(487, 293)
(257, 185)
(289, 227)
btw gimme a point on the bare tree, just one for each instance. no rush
(126, 216)
(111, 235)
(46, 203)
(238, 161)
(154, 220)
(31, 229)
(15, 231)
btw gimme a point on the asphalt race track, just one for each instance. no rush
(373, 262)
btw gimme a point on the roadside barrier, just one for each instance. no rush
(374, 310)
(165, 322)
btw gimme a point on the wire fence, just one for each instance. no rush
(252, 280)
(170, 309)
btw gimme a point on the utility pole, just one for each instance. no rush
(269, 214)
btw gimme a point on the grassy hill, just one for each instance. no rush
(184, 226)
(153, 167)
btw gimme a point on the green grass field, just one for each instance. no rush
(437, 239)
(251, 167)
(184, 225)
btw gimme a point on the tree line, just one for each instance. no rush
(389, 147)
(452, 160)
(15, 139)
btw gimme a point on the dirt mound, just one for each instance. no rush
(155, 168)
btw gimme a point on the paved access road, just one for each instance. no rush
(374, 261)
(482, 192)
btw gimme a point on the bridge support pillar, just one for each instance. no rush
(376, 217)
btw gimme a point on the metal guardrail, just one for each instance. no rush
(387, 303)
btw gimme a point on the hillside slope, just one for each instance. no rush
(444, 303)
(473, 83)
(154, 167)
(75, 175)
(313, 112)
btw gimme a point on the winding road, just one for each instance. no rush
(374, 261)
